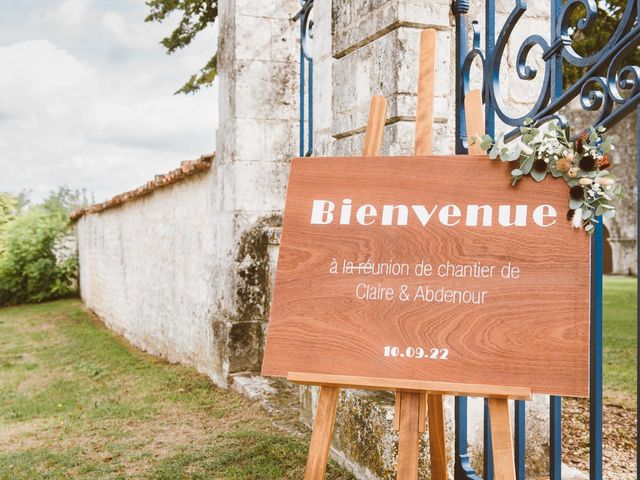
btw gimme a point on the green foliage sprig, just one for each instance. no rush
(195, 16)
(582, 164)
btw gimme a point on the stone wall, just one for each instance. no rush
(146, 269)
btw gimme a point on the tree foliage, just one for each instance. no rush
(36, 261)
(195, 16)
(593, 39)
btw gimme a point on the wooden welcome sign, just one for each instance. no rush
(427, 276)
(430, 268)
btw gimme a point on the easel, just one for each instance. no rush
(415, 400)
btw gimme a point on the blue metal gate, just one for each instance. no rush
(606, 86)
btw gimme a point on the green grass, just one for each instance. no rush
(620, 336)
(78, 402)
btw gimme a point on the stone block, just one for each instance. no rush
(260, 186)
(285, 40)
(271, 9)
(359, 23)
(265, 90)
(250, 139)
(282, 140)
(254, 38)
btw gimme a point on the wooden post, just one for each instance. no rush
(426, 80)
(437, 439)
(375, 127)
(328, 402)
(409, 435)
(474, 120)
(322, 433)
(504, 467)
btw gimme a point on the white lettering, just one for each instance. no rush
(472, 215)
(345, 212)
(387, 214)
(447, 212)
(365, 212)
(423, 214)
(542, 212)
(504, 216)
(322, 212)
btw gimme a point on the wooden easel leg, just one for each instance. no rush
(501, 440)
(409, 435)
(322, 433)
(437, 441)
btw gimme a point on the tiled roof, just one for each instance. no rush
(187, 168)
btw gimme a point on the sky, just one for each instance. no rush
(86, 97)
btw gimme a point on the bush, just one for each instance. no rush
(33, 265)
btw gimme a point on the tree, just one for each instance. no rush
(196, 15)
(38, 257)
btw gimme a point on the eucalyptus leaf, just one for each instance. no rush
(572, 182)
(516, 172)
(589, 229)
(538, 176)
(586, 213)
(526, 165)
(574, 204)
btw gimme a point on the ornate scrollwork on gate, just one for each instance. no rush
(607, 86)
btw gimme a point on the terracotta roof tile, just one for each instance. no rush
(187, 168)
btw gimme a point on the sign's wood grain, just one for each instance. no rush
(530, 331)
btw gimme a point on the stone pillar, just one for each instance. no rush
(257, 137)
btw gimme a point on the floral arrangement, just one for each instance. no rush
(582, 164)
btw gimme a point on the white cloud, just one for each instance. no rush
(75, 117)
(132, 33)
(69, 14)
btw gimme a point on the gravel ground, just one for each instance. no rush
(619, 438)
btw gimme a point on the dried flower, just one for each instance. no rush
(587, 163)
(603, 162)
(570, 214)
(564, 164)
(582, 138)
(573, 172)
(585, 181)
(576, 192)
(605, 181)
(576, 220)
(540, 166)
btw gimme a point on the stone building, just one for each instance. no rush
(183, 266)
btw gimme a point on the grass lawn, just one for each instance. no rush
(620, 337)
(78, 402)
